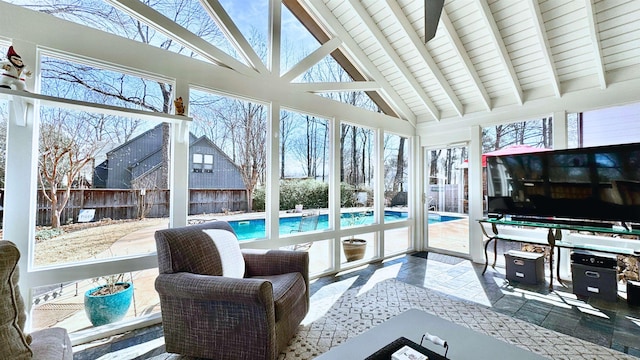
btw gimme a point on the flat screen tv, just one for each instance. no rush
(599, 184)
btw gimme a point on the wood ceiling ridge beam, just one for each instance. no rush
(592, 21)
(466, 61)
(319, 87)
(275, 36)
(417, 43)
(395, 58)
(161, 23)
(503, 54)
(538, 24)
(320, 10)
(233, 34)
(312, 59)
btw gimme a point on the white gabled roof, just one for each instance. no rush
(486, 54)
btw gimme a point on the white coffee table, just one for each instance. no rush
(463, 342)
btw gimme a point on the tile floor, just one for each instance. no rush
(612, 324)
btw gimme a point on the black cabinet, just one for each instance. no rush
(524, 267)
(594, 281)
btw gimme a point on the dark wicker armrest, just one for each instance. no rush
(276, 262)
(215, 288)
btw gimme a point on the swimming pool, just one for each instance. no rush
(255, 228)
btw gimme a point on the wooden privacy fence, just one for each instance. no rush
(120, 204)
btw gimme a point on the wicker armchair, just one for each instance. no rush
(207, 315)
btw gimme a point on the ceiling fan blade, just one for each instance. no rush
(432, 11)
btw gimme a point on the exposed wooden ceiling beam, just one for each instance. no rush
(312, 59)
(417, 43)
(399, 108)
(337, 87)
(595, 40)
(538, 24)
(496, 39)
(391, 53)
(172, 30)
(458, 47)
(233, 34)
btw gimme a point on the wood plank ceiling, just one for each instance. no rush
(486, 54)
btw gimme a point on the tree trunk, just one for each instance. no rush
(354, 157)
(55, 213)
(397, 182)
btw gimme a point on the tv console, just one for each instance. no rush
(554, 239)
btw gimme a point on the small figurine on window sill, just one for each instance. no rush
(14, 71)
(179, 106)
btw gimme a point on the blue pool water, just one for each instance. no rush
(255, 228)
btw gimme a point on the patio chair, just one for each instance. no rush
(308, 222)
(221, 302)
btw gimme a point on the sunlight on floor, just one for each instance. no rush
(389, 272)
(325, 297)
(554, 300)
(455, 280)
(635, 321)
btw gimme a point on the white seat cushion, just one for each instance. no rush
(229, 249)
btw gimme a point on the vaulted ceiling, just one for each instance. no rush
(486, 54)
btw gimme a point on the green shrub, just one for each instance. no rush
(312, 194)
(258, 198)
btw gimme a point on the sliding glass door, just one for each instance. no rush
(446, 200)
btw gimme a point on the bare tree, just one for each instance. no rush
(286, 130)
(246, 126)
(66, 147)
(398, 179)
(81, 81)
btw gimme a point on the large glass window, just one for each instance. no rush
(304, 182)
(231, 136)
(614, 125)
(396, 175)
(357, 173)
(304, 173)
(63, 304)
(100, 15)
(102, 178)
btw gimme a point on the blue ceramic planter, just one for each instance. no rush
(105, 309)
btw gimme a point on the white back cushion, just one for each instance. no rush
(230, 255)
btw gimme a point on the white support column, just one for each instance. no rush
(379, 188)
(335, 157)
(560, 130)
(179, 163)
(20, 195)
(475, 194)
(416, 187)
(272, 193)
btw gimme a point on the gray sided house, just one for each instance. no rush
(137, 164)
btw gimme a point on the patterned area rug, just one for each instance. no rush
(343, 313)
